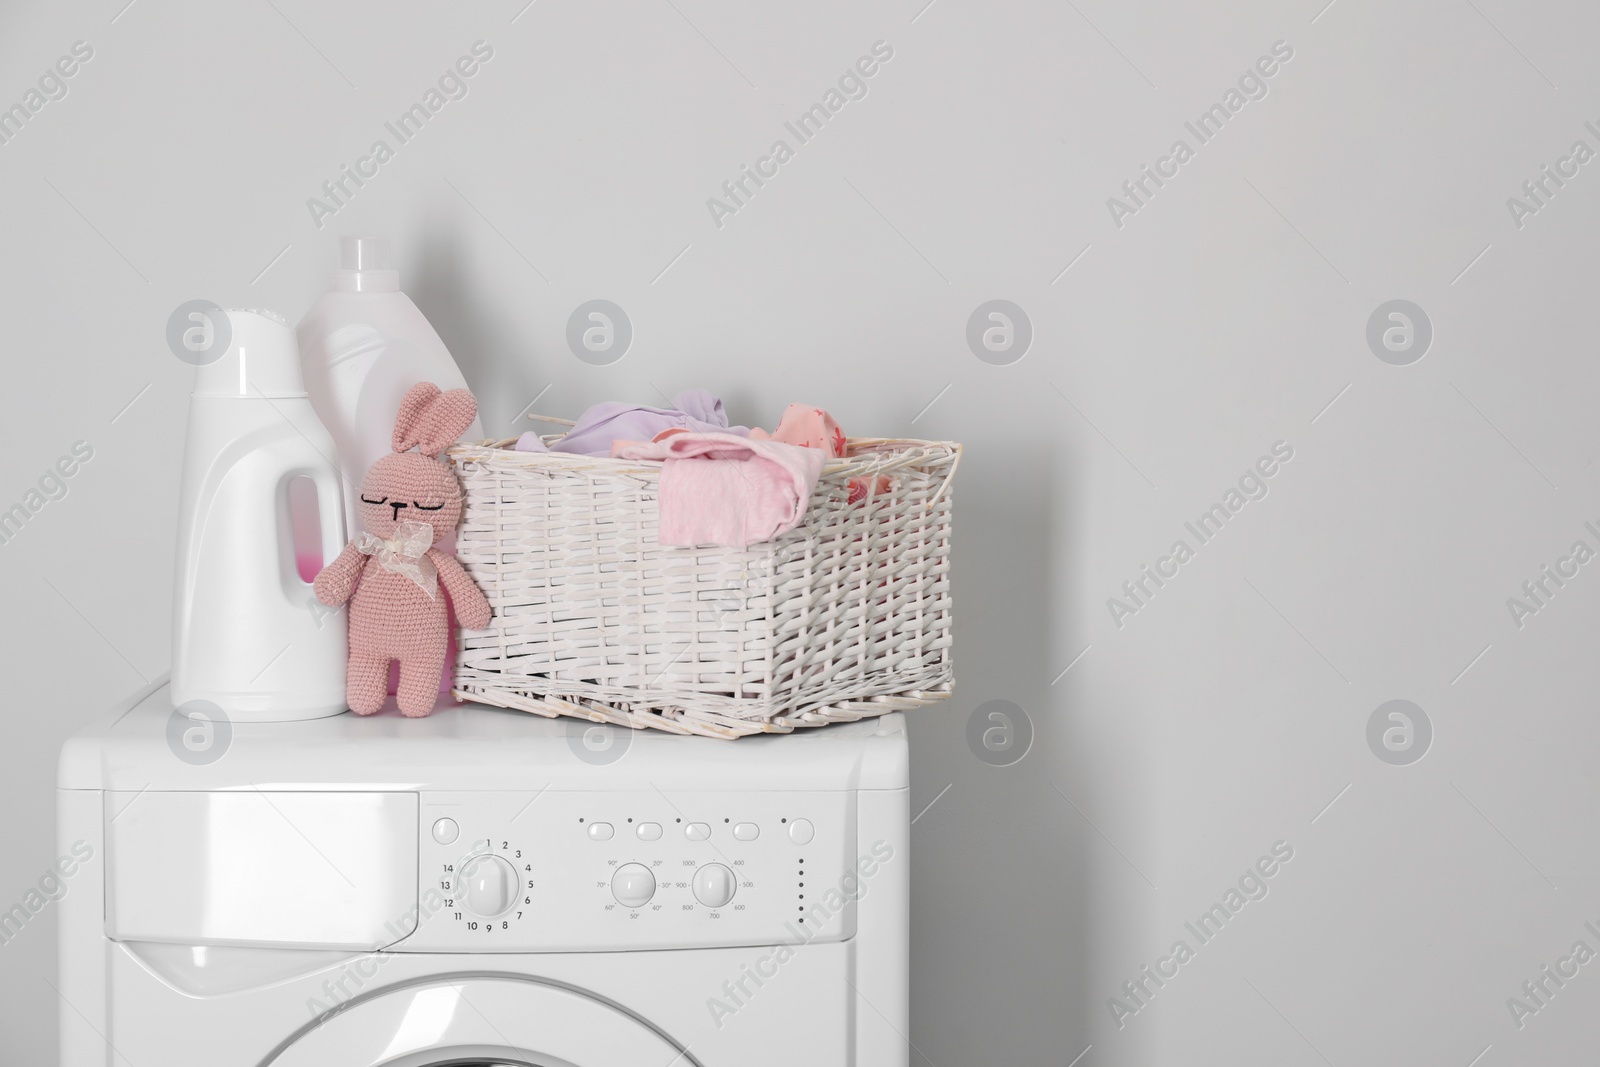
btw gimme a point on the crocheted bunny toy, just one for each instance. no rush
(391, 573)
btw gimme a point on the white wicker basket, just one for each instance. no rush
(844, 617)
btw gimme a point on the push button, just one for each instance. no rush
(600, 831)
(746, 831)
(649, 831)
(697, 831)
(801, 831)
(445, 831)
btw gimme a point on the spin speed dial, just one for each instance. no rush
(714, 885)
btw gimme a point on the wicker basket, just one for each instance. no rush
(846, 616)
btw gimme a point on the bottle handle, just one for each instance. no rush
(330, 539)
(330, 510)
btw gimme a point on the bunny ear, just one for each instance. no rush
(408, 422)
(446, 419)
(431, 420)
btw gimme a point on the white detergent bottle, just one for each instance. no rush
(363, 345)
(248, 632)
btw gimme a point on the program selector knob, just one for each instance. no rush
(488, 886)
(713, 885)
(633, 885)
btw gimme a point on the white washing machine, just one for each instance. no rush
(480, 887)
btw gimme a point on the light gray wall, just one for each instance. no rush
(1170, 352)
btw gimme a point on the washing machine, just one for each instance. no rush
(479, 887)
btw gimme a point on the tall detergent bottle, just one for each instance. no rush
(248, 632)
(363, 345)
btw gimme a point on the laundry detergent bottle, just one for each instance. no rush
(363, 345)
(249, 635)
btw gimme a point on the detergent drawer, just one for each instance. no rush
(301, 869)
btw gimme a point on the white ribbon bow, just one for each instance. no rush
(405, 553)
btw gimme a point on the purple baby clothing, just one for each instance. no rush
(698, 412)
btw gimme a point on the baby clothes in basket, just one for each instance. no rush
(604, 424)
(723, 489)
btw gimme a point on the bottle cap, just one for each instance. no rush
(262, 360)
(366, 265)
(364, 253)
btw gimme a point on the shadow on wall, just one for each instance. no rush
(499, 367)
(1000, 862)
(507, 368)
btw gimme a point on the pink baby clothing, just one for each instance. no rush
(722, 489)
(806, 426)
(815, 428)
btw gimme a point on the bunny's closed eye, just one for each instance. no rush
(427, 507)
(380, 500)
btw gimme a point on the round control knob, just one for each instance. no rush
(488, 886)
(633, 885)
(713, 885)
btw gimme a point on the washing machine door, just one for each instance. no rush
(476, 1021)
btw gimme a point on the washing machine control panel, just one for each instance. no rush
(542, 871)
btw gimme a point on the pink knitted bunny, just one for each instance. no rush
(391, 574)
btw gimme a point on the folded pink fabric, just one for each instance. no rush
(722, 489)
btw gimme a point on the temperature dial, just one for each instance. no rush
(633, 885)
(488, 886)
(713, 885)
